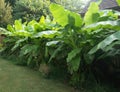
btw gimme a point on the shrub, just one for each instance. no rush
(30, 9)
(5, 13)
(28, 40)
(12, 2)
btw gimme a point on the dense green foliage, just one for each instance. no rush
(30, 9)
(68, 40)
(30, 38)
(118, 1)
(12, 2)
(5, 13)
(80, 39)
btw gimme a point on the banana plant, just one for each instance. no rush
(31, 38)
(82, 34)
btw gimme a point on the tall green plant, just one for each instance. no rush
(80, 35)
(31, 38)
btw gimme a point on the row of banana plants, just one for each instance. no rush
(66, 40)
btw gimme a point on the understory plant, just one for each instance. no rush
(68, 40)
(28, 40)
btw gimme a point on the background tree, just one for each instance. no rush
(30, 9)
(73, 5)
(12, 2)
(5, 13)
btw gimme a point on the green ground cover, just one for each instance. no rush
(15, 78)
(21, 79)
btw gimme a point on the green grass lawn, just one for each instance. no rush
(15, 78)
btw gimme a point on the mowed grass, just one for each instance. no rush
(15, 78)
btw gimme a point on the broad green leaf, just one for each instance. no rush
(118, 1)
(47, 34)
(32, 22)
(52, 43)
(60, 14)
(73, 54)
(38, 28)
(74, 64)
(30, 59)
(64, 17)
(18, 25)
(103, 44)
(55, 53)
(2, 29)
(77, 19)
(42, 20)
(73, 60)
(92, 14)
(48, 19)
(106, 15)
(115, 25)
(35, 26)
(10, 28)
(28, 49)
(110, 50)
(22, 33)
(29, 28)
(18, 43)
(111, 46)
